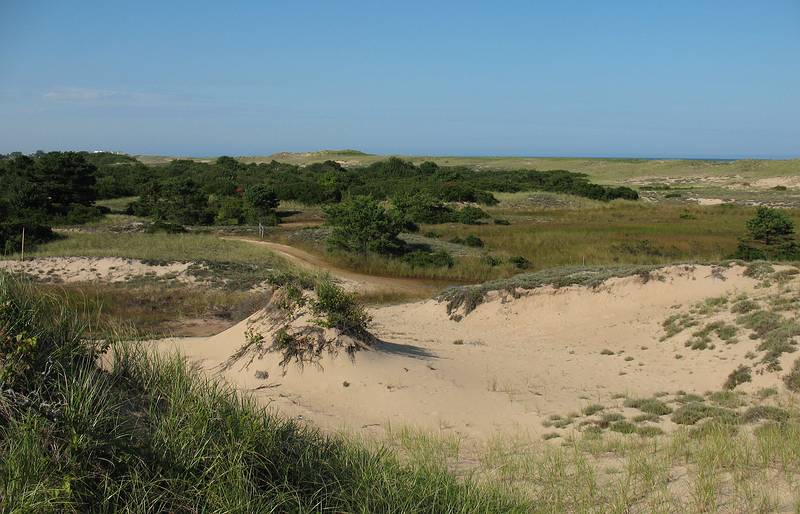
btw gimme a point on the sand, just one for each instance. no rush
(96, 269)
(507, 365)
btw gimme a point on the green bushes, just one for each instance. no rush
(361, 225)
(339, 309)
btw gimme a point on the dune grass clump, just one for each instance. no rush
(592, 409)
(740, 375)
(765, 412)
(728, 399)
(777, 334)
(469, 297)
(609, 418)
(641, 418)
(744, 306)
(623, 427)
(684, 398)
(758, 270)
(649, 406)
(692, 412)
(676, 324)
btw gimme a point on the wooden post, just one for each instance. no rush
(22, 254)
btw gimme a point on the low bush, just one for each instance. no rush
(423, 259)
(768, 412)
(739, 376)
(692, 412)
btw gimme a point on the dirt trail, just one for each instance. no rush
(351, 280)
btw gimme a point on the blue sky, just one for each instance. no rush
(680, 78)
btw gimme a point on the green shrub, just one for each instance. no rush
(341, 310)
(423, 259)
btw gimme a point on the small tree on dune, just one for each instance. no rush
(771, 234)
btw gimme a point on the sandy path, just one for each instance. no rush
(351, 280)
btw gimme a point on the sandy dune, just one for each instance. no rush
(505, 366)
(96, 269)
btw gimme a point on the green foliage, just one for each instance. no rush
(340, 309)
(262, 201)
(38, 192)
(37, 333)
(770, 226)
(178, 200)
(470, 215)
(361, 225)
(771, 234)
(423, 207)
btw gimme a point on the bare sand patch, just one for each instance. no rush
(97, 269)
(506, 366)
(769, 183)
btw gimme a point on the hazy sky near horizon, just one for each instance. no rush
(681, 78)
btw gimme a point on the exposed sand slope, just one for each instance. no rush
(350, 280)
(91, 269)
(521, 359)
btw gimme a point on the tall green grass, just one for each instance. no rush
(147, 433)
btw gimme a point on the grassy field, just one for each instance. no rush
(552, 230)
(604, 171)
(149, 433)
